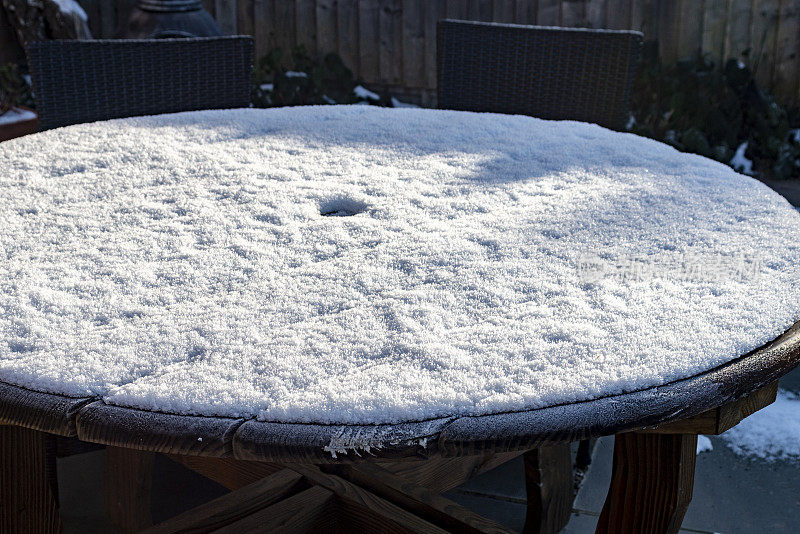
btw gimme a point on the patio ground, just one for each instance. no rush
(732, 494)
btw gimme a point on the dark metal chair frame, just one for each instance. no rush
(86, 81)
(551, 73)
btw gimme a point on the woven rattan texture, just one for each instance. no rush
(85, 81)
(550, 73)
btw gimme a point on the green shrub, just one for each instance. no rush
(310, 80)
(14, 90)
(701, 109)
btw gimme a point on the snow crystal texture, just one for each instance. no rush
(353, 264)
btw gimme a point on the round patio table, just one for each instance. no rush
(340, 312)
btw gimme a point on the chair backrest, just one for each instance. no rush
(85, 81)
(550, 73)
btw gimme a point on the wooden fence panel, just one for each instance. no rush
(714, 25)
(549, 13)
(393, 42)
(306, 24)
(226, 15)
(690, 27)
(786, 75)
(368, 39)
(347, 24)
(618, 15)
(597, 13)
(738, 32)
(327, 27)
(434, 11)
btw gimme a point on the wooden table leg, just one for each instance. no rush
(651, 483)
(27, 502)
(127, 481)
(548, 482)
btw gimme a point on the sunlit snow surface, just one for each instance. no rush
(183, 263)
(772, 433)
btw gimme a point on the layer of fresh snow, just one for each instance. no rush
(704, 444)
(181, 263)
(16, 115)
(772, 433)
(400, 104)
(740, 162)
(71, 7)
(362, 92)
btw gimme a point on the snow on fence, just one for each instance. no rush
(393, 42)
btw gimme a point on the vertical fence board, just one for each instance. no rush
(347, 32)
(368, 41)
(456, 9)
(327, 31)
(644, 17)
(525, 11)
(503, 11)
(714, 24)
(549, 13)
(618, 14)
(480, 10)
(690, 38)
(434, 11)
(785, 77)
(764, 35)
(226, 14)
(413, 44)
(573, 13)
(263, 29)
(668, 30)
(390, 51)
(596, 12)
(284, 24)
(738, 32)
(244, 17)
(306, 24)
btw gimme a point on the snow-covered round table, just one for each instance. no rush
(327, 284)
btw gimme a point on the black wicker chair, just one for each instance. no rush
(550, 73)
(85, 81)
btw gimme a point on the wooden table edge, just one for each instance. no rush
(94, 421)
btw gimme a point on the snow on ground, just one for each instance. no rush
(356, 264)
(740, 163)
(400, 104)
(772, 433)
(16, 115)
(362, 92)
(704, 444)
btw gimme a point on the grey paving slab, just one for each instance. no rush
(791, 381)
(731, 494)
(507, 480)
